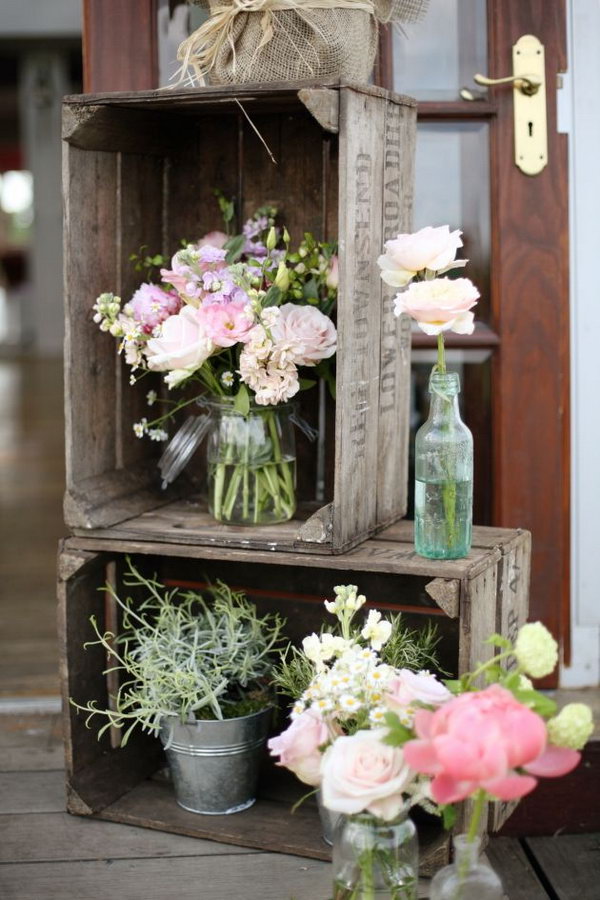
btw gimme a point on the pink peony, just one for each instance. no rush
(298, 746)
(481, 740)
(408, 688)
(442, 304)
(183, 343)
(308, 334)
(151, 305)
(360, 773)
(430, 248)
(226, 324)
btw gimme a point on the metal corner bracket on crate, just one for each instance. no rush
(345, 170)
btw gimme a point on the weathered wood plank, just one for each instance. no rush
(508, 859)
(32, 792)
(394, 384)
(255, 876)
(570, 862)
(358, 317)
(31, 743)
(118, 130)
(90, 190)
(324, 105)
(177, 538)
(32, 837)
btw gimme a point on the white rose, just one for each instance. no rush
(309, 334)
(183, 343)
(360, 773)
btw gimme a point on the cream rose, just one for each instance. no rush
(430, 248)
(360, 773)
(298, 746)
(308, 335)
(183, 343)
(442, 304)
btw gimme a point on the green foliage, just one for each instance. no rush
(398, 733)
(146, 261)
(182, 656)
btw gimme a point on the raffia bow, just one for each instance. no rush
(201, 50)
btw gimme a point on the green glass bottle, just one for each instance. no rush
(443, 475)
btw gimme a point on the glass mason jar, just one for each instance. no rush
(251, 464)
(467, 878)
(375, 860)
(443, 475)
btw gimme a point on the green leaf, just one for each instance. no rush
(496, 640)
(539, 703)
(272, 297)
(234, 247)
(399, 734)
(310, 291)
(454, 685)
(448, 815)
(307, 383)
(242, 401)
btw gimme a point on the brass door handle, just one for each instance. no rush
(527, 84)
(529, 99)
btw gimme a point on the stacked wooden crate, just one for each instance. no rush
(140, 170)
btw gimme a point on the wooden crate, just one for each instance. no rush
(468, 599)
(140, 169)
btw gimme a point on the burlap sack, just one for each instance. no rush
(289, 40)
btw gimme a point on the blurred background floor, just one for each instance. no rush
(31, 523)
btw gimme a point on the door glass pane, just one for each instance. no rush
(436, 57)
(452, 188)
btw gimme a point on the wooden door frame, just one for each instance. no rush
(530, 366)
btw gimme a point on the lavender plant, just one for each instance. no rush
(180, 655)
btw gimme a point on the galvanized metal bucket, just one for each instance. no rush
(214, 763)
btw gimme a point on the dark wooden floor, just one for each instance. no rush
(46, 854)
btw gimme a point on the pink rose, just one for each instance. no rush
(360, 773)
(442, 304)
(226, 324)
(481, 740)
(183, 343)
(151, 305)
(298, 746)
(430, 248)
(216, 239)
(308, 334)
(409, 687)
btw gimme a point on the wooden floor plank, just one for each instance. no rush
(507, 857)
(32, 792)
(44, 837)
(31, 742)
(252, 877)
(570, 862)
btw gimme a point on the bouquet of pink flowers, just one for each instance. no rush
(376, 739)
(235, 317)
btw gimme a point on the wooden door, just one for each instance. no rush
(515, 367)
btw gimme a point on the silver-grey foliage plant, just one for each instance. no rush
(179, 655)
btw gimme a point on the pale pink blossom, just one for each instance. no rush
(442, 304)
(430, 248)
(483, 740)
(216, 239)
(226, 324)
(308, 334)
(332, 278)
(298, 746)
(273, 379)
(361, 773)
(407, 688)
(151, 305)
(183, 343)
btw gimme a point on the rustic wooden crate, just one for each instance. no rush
(140, 169)
(468, 599)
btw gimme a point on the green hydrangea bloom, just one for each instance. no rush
(536, 650)
(572, 727)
